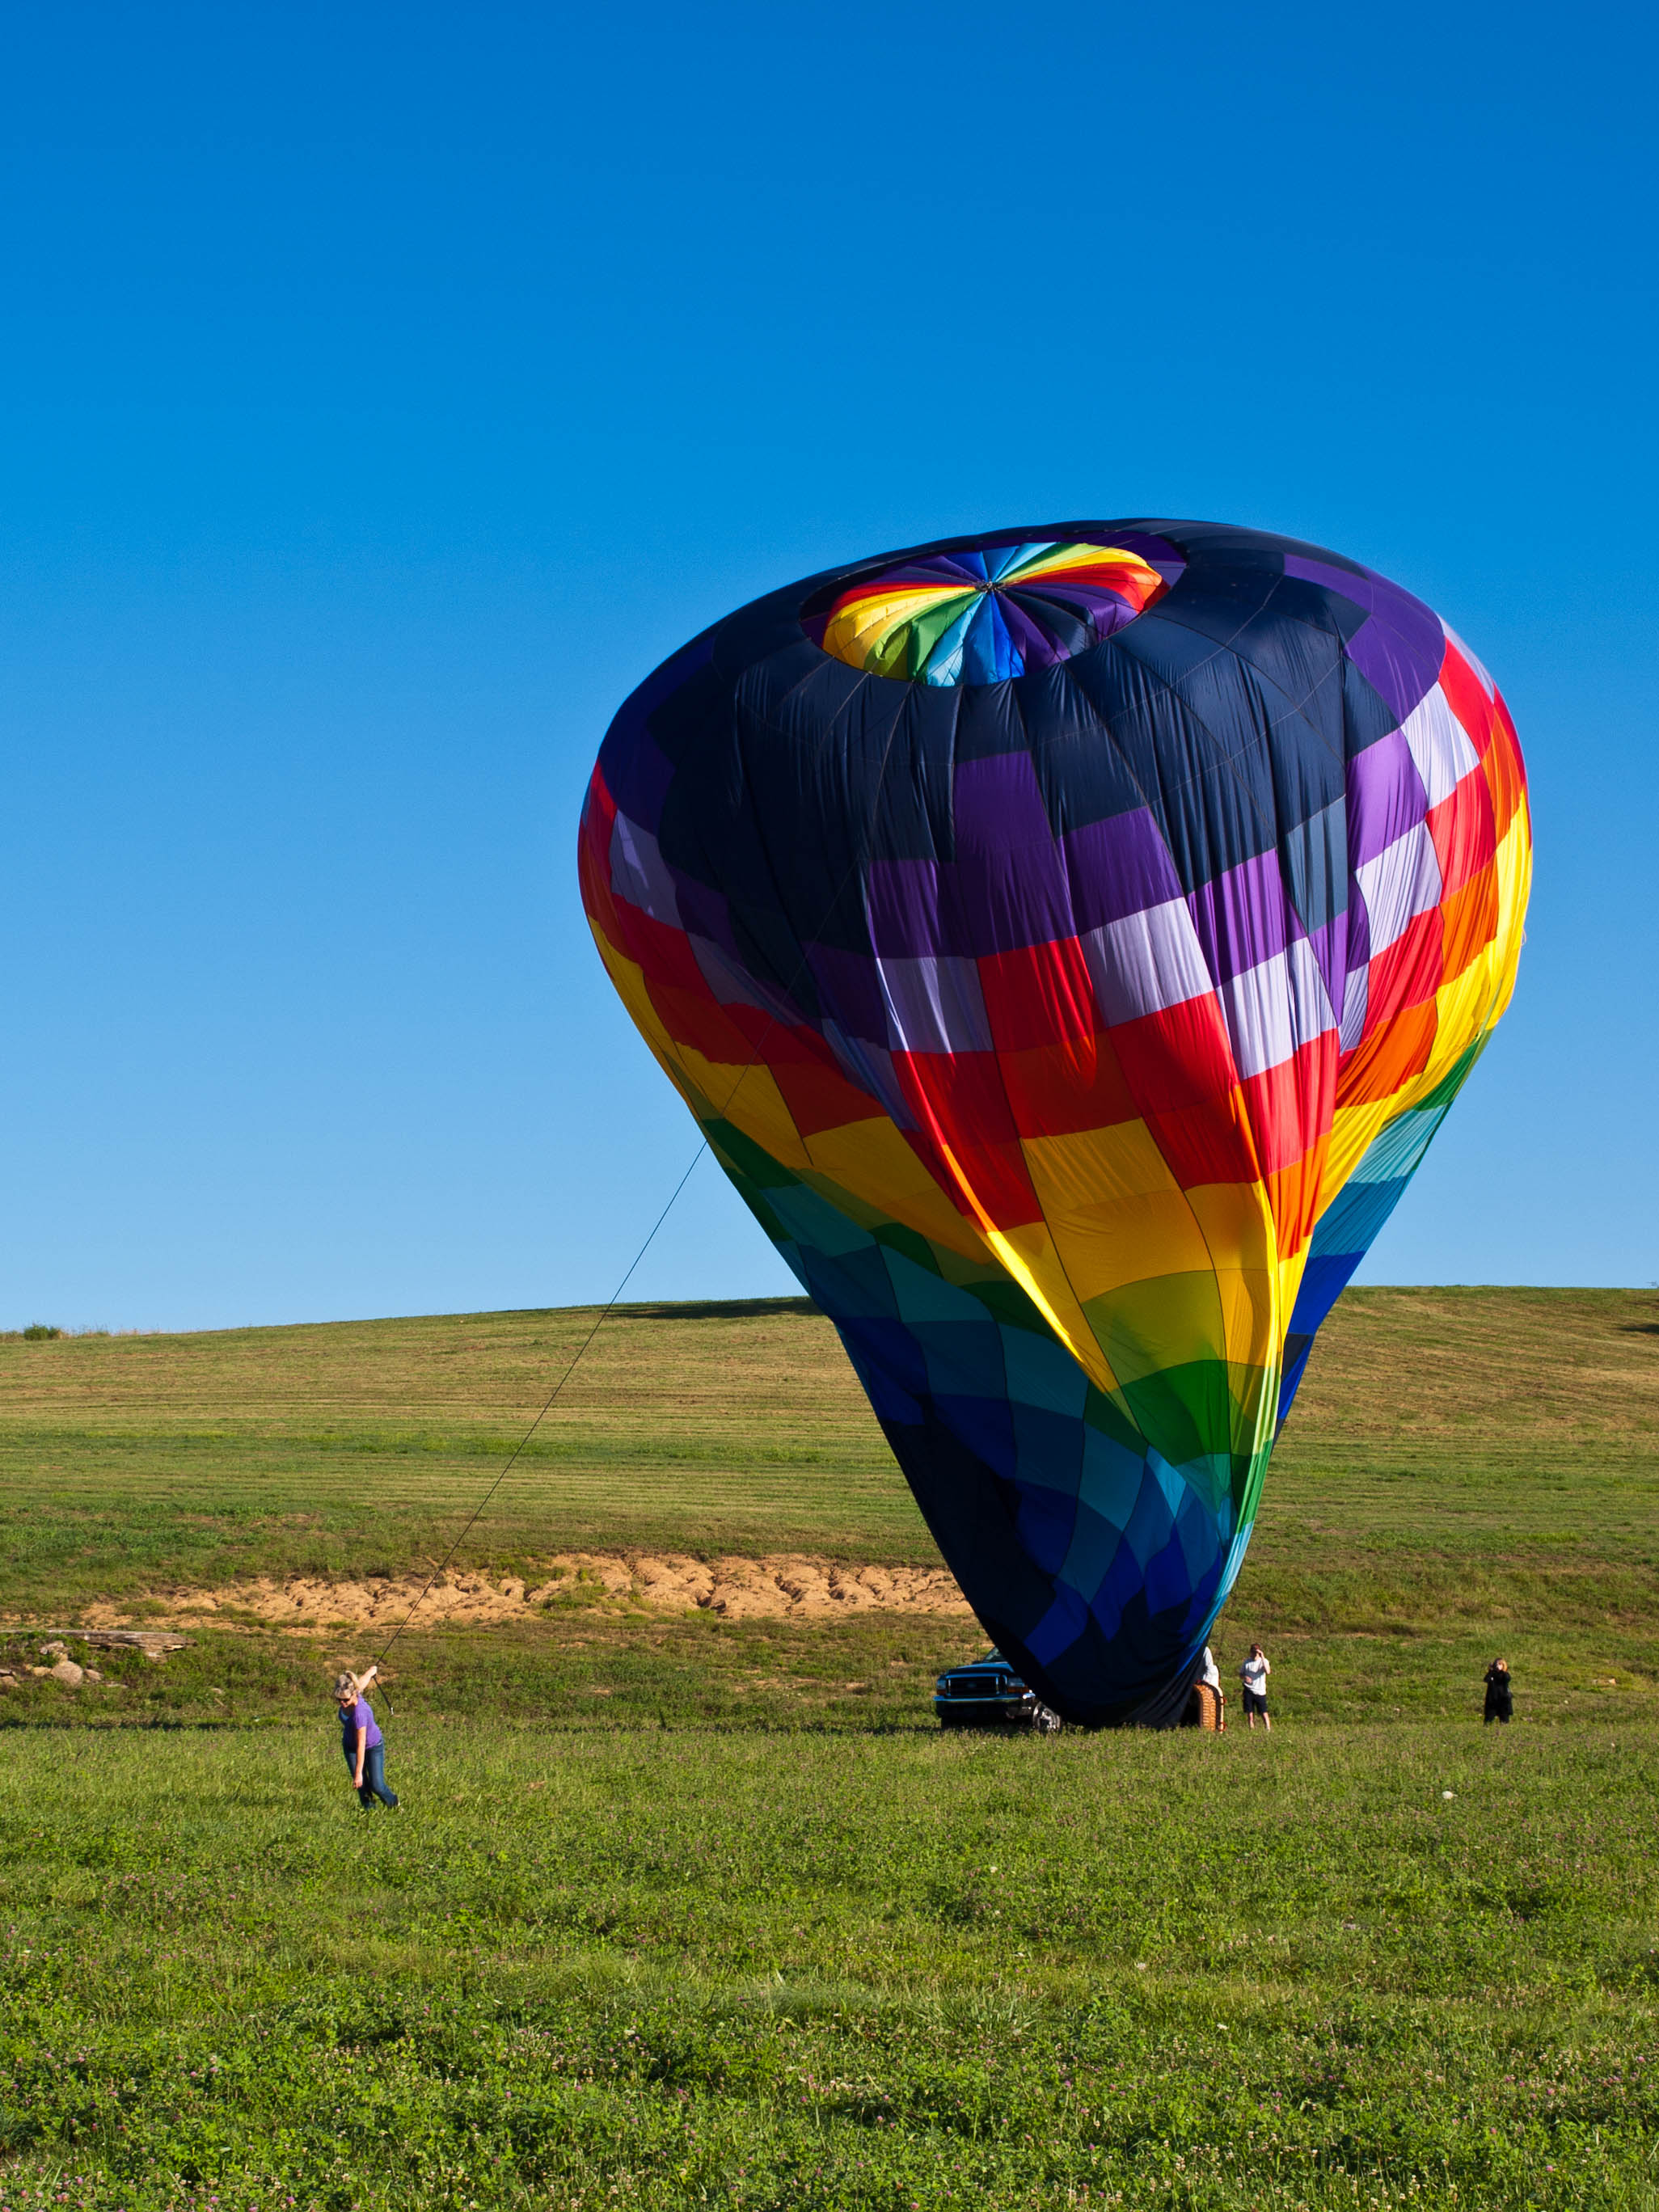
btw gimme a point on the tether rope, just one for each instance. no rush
(518, 1450)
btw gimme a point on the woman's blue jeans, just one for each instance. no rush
(373, 1781)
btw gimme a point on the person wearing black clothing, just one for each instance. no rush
(1500, 1691)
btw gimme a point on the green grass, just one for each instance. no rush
(1493, 1424)
(669, 1969)
(686, 1912)
(1465, 1468)
(168, 1461)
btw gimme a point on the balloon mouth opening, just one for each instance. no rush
(1165, 1706)
(986, 610)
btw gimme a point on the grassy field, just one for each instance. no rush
(805, 1971)
(686, 1911)
(357, 1446)
(1463, 1465)
(1511, 1418)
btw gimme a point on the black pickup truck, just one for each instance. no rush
(988, 1693)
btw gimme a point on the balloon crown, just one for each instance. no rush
(981, 614)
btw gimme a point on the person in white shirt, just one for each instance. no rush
(1211, 1674)
(1253, 1675)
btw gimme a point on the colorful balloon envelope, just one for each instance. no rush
(1069, 939)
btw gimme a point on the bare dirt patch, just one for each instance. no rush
(788, 1586)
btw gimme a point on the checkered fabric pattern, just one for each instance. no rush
(1069, 939)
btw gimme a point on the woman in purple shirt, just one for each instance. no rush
(361, 1741)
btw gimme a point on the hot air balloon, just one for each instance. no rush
(1068, 939)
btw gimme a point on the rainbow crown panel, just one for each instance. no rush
(1069, 939)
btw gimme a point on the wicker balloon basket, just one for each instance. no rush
(1206, 1708)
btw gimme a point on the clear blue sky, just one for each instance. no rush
(384, 391)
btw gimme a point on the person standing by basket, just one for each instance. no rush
(1253, 1676)
(361, 1741)
(1209, 1704)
